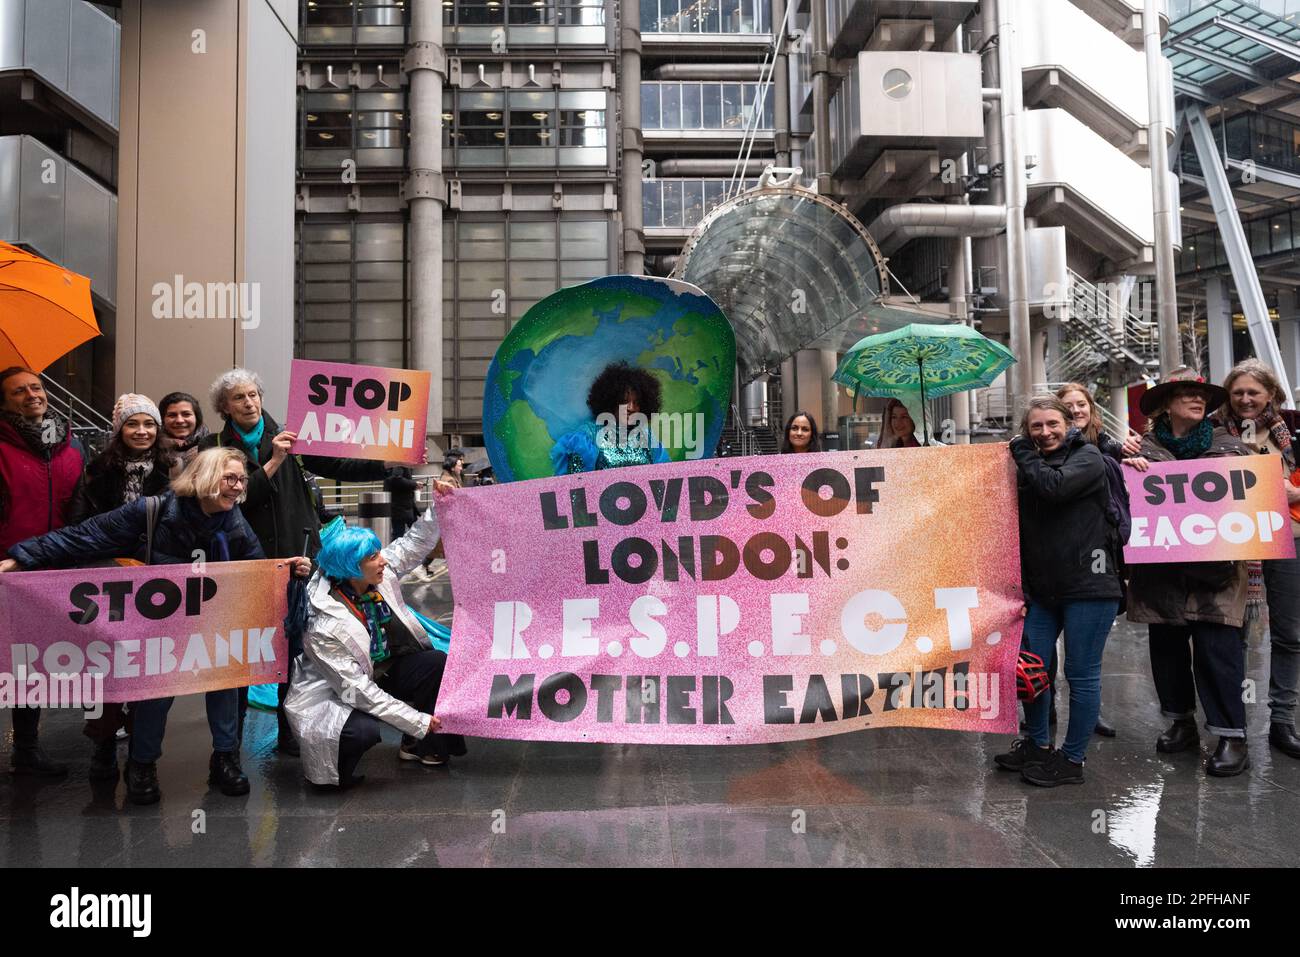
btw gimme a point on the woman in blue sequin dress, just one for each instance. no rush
(622, 401)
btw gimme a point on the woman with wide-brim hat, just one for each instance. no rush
(1195, 611)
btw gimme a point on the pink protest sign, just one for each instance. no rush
(1209, 510)
(150, 631)
(358, 412)
(737, 600)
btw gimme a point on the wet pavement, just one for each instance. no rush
(893, 797)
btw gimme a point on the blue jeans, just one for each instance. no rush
(1087, 625)
(151, 724)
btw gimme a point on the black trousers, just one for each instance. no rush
(26, 726)
(1204, 660)
(412, 678)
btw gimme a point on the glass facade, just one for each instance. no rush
(705, 16)
(366, 126)
(494, 270)
(1264, 140)
(351, 295)
(1286, 9)
(353, 22)
(703, 105)
(522, 128)
(1267, 236)
(681, 203)
(509, 23)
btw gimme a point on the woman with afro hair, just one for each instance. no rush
(622, 400)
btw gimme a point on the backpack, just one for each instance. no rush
(1117, 505)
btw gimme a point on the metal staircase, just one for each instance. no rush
(1093, 335)
(84, 421)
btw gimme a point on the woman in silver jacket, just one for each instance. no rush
(365, 656)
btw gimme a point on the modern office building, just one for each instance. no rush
(1237, 78)
(58, 172)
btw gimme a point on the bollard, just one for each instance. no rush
(375, 511)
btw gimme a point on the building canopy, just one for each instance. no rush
(793, 270)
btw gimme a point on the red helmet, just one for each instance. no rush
(1031, 676)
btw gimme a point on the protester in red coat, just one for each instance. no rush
(40, 467)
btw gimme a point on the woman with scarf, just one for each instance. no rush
(367, 660)
(1255, 415)
(135, 465)
(279, 507)
(614, 436)
(1195, 610)
(200, 512)
(183, 428)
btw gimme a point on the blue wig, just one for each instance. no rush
(343, 549)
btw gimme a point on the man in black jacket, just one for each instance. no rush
(279, 506)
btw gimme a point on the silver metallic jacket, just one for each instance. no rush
(334, 674)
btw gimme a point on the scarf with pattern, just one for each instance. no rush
(373, 612)
(43, 436)
(1192, 445)
(137, 470)
(1272, 423)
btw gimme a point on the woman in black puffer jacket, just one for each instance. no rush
(200, 512)
(1069, 551)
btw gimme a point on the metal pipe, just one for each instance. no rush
(710, 167)
(781, 85)
(906, 221)
(821, 97)
(426, 67)
(1166, 289)
(1020, 375)
(633, 150)
(702, 71)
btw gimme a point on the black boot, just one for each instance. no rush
(285, 742)
(32, 760)
(142, 782)
(103, 763)
(1182, 734)
(1104, 728)
(224, 771)
(1284, 738)
(1231, 758)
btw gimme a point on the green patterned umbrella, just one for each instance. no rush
(932, 359)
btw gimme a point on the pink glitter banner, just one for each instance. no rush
(358, 412)
(738, 600)
(1209, 510)
(151, 631)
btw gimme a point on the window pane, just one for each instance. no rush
(712, 95)
(693, 191)
(691, 106)
(671, 102)
(650, 106)
(652, 205)
(710, 24)
(672, 202)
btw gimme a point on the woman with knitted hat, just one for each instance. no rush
(133, 466)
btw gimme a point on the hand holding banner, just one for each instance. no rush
(152, 631)
(734, 601)
(358, 412)
(1209, 510)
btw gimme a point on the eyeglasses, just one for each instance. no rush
(234, 481)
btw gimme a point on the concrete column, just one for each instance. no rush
(1037, 357)
(426, 68)
(1218, 327)
(829, 361)
(206, 195)
(1166, 292)
(633, 149)
(1017, 278)
(1288, 314)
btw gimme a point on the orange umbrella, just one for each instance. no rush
(45, 310)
